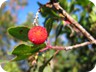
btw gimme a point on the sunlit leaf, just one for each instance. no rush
(24, 51)
(20, 33)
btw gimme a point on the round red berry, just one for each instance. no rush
(37, 34)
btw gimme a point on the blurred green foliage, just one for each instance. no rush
(12, 67)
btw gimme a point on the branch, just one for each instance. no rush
(70, 47)
(75, 23)
(41, 68)
(72, 31)
(65, 48)
(55, 4)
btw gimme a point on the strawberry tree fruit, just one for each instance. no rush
(37, 35)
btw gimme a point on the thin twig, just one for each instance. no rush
(47, 62)
(66, 47)
(70, 47)
(72, 31)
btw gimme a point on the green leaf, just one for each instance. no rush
(75, 17)
(59, 29)
(20, 33)
(24, 51)
(45, 11)
(36, 48)
(22, 57)
(48, 24)
(84, 3)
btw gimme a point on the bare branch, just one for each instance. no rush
(70, 47)
(75, 23)
(65, 48)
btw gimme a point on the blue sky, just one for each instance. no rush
(31, 7)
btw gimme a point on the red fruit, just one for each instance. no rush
(37, 35)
